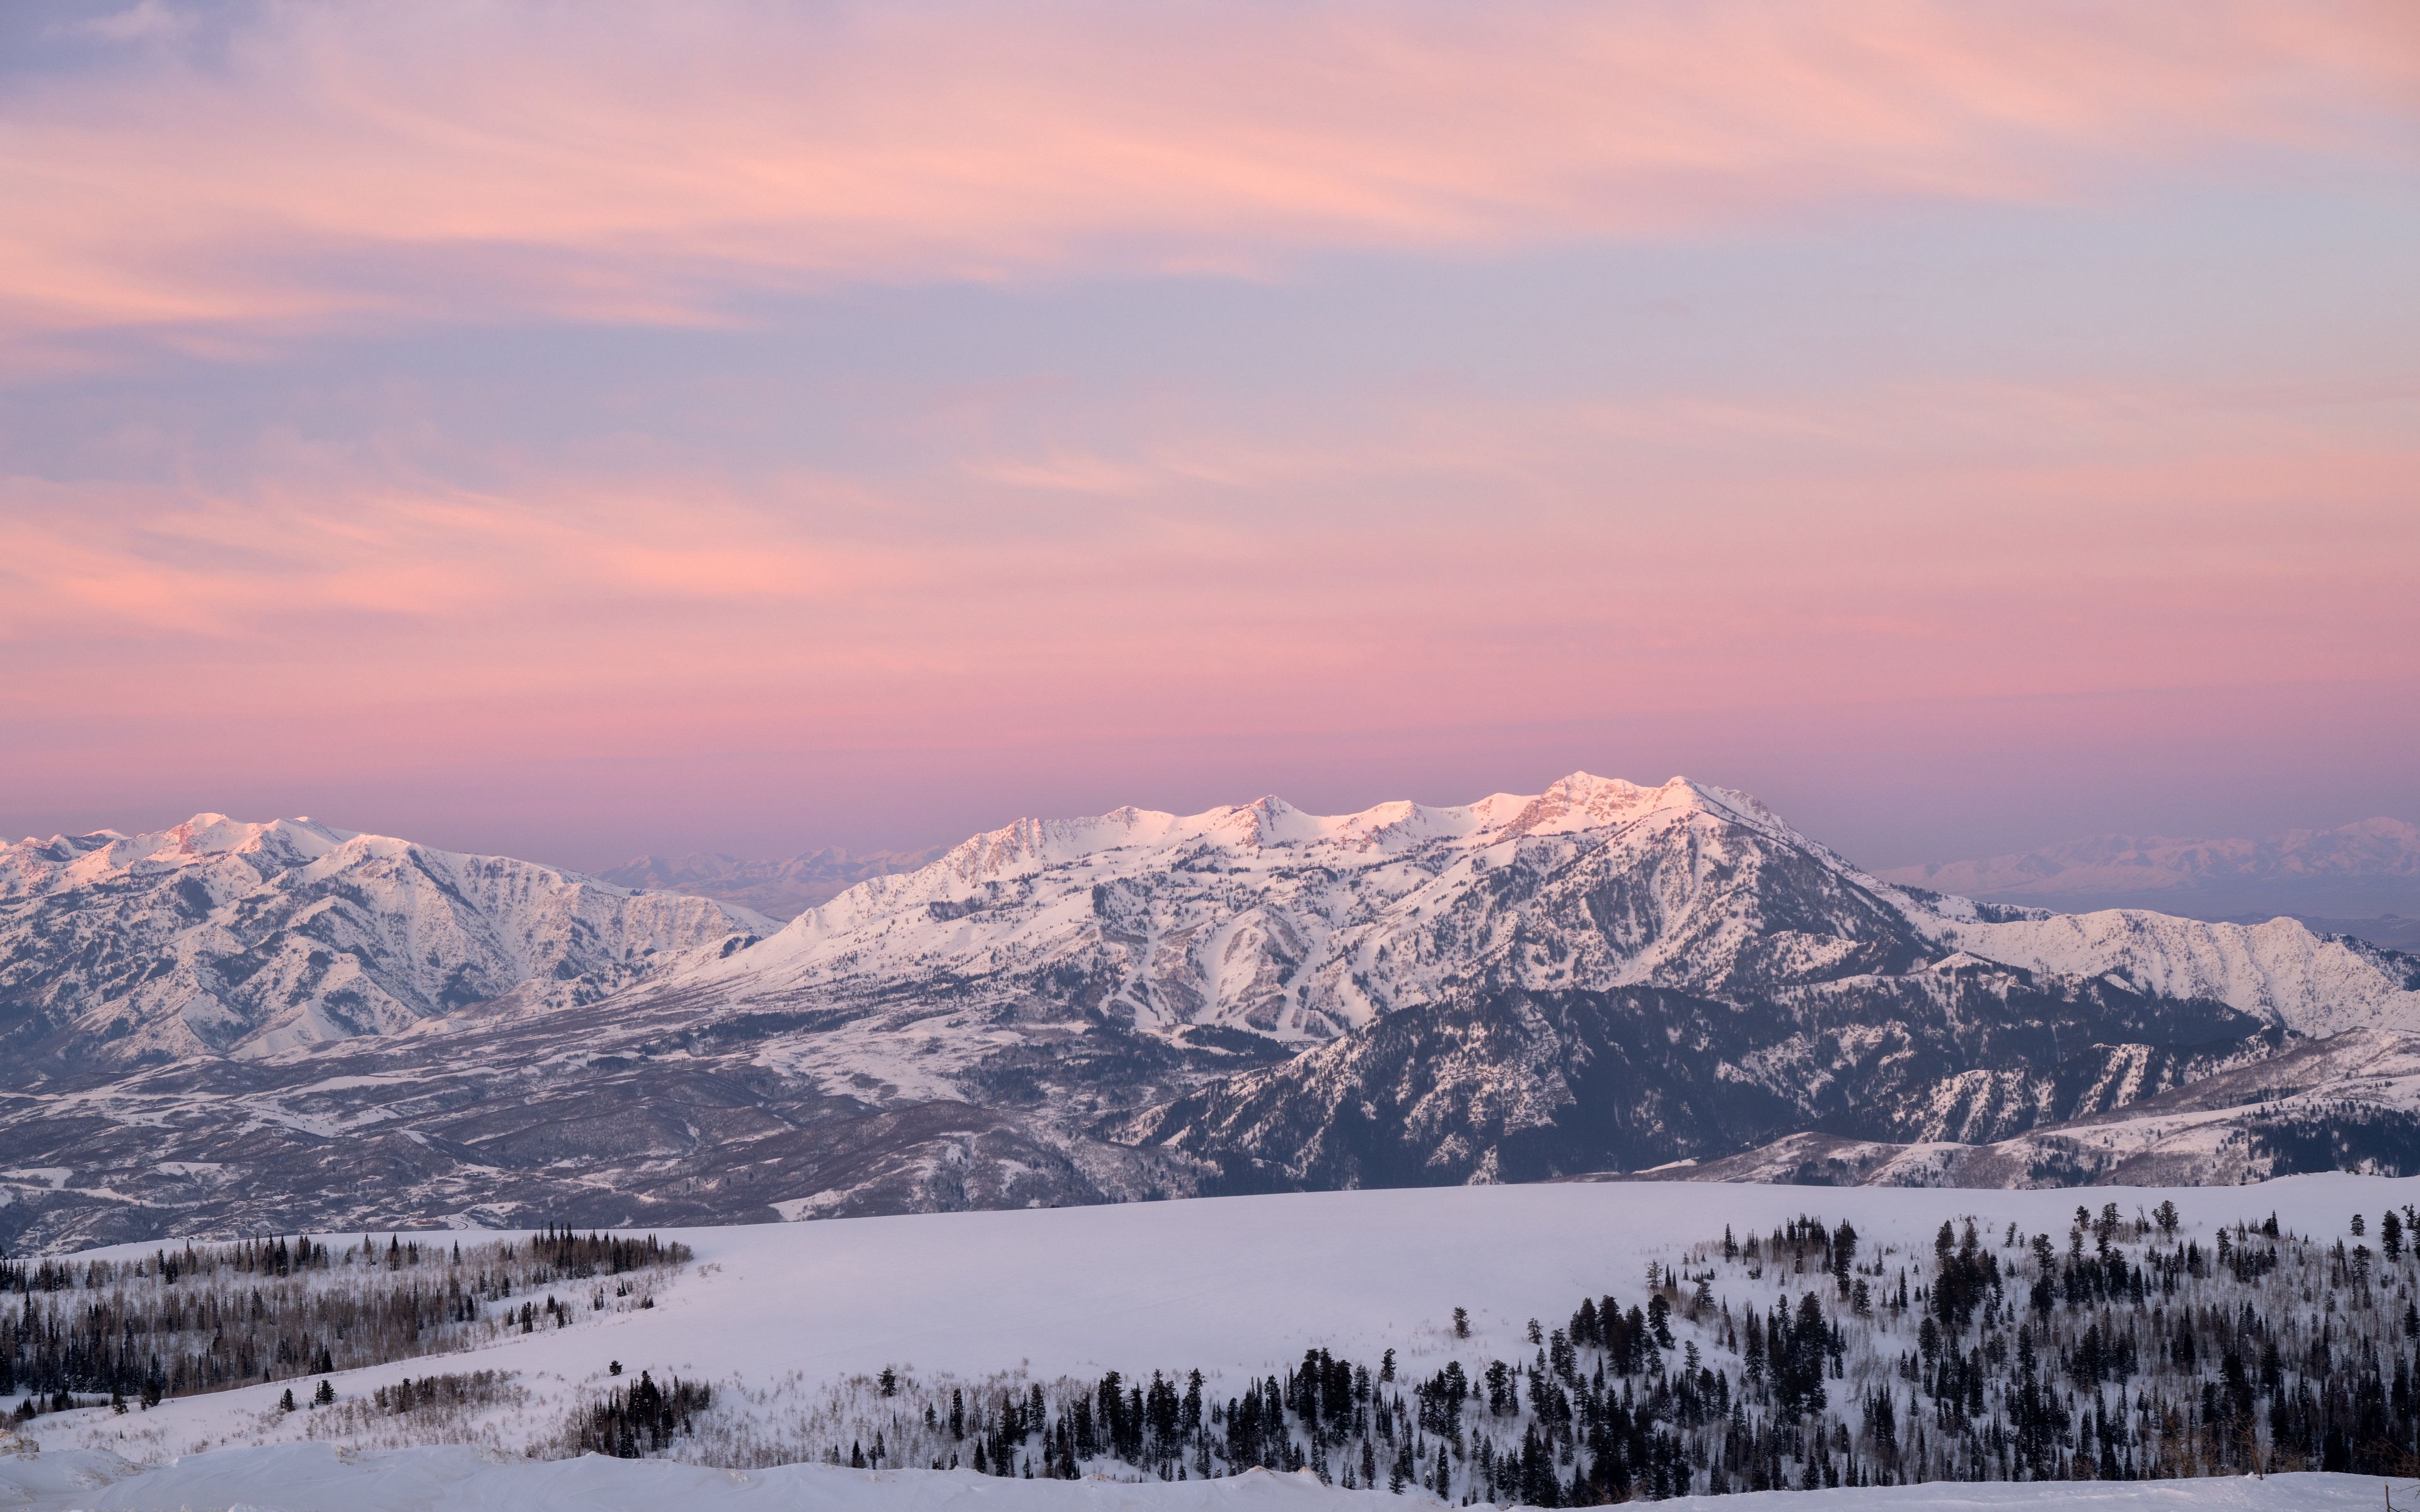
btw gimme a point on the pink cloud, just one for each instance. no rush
(368, 162)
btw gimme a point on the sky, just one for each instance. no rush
(570, 431)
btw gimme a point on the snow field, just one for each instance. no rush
(780, 1316)
(317, 1478)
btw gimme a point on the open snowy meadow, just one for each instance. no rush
(1488, 1342)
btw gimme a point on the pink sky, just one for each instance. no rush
(570, 432)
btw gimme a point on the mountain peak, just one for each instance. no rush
(1584, 800)
(249, 938)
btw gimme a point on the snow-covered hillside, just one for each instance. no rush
(2345, 1102)
(221, 938)
(784, 1321)
(2280, 970)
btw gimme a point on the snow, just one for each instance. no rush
(1238, 1287)
(320, 1478)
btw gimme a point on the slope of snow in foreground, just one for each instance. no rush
(778, 1316)
(1237, 1287)
(313, 1477)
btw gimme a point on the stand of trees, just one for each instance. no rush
(643, 1420)
(1800, 1358)
(209, 1318)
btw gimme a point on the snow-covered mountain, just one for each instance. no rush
(779, 889)
(1300, 927)
(1688, 974)
(221, 937)
(1604, 975)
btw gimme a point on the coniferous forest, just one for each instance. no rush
(1801, 1357)
(199, 1318)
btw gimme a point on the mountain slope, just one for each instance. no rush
(1797, 993)
(220, 937)
(2344, 1103)
(1510, 1083)
(2306, 982)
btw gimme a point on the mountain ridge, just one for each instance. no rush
(218, 936)
(1137, 1003)
(2370, 867)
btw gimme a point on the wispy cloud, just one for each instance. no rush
(295, 166)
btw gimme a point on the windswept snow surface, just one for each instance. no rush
(317, 1478)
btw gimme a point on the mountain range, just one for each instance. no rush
(2362, 878)
(221, 939)
(283, 1025)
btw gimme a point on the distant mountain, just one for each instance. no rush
(217, 937)
(2351, 874)
(778, 889)
(1603, 976)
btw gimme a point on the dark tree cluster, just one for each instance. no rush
(469, 1389)
(561, 1254)
(209, 1318)
(643, 1420)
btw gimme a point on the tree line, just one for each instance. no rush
(1803, 1357)
(211, 1318)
